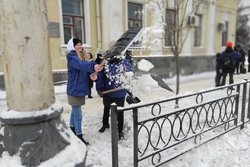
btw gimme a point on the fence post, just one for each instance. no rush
(244, 92)
(135, 129)
(236, 113)
(114, 135)
(248, 106)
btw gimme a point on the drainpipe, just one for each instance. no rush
(98, 22)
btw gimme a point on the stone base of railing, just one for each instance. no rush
(35, 136)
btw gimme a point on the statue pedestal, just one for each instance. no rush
(37, 136)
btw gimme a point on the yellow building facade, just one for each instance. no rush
(98, 22)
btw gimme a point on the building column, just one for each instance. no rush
(32, 127)
(112, 21)
(188, 32)
(212, 28)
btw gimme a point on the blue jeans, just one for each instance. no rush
(76, 119)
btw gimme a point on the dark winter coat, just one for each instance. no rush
(218, 63)
(243, 56)
(78, 74)
(235, 55)
(248, 57)
(104, 82)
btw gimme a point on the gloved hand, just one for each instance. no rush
(93, 77)
(98, 68)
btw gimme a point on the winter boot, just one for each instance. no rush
(81, 138)
(121, 135)
(73, 129)
(103, 128)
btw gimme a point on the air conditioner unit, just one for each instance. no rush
(222, 26)
(194, 21)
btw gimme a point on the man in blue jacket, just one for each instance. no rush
(230, 68)
(108, 79)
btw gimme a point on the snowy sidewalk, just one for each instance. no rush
(99, 152)
(151, 91)
(230, 150)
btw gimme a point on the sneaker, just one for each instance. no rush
(90, 97)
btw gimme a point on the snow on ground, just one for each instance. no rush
(231, 150)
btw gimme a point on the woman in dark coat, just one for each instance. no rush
(108, 79)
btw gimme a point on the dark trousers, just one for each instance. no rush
(218, 79)
(89, 91)
(224, 76)
(107, 101)
(237, 67)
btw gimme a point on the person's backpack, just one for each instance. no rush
(228, 60)
(243, 70)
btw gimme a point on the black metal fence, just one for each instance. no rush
(166, 133)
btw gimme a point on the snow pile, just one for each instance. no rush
(144, 65)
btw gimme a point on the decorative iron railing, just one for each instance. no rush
(167, 133)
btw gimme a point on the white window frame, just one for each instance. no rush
(224, 34)
(87, 45)
(144, 16)
(200, 25)
(168, 46)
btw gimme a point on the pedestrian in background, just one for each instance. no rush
(242, 60)
(237, 61)
(90, 58)
(218, 69)
(248, 60)
(228, 59)
(77, 85)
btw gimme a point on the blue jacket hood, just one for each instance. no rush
(108, 78)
